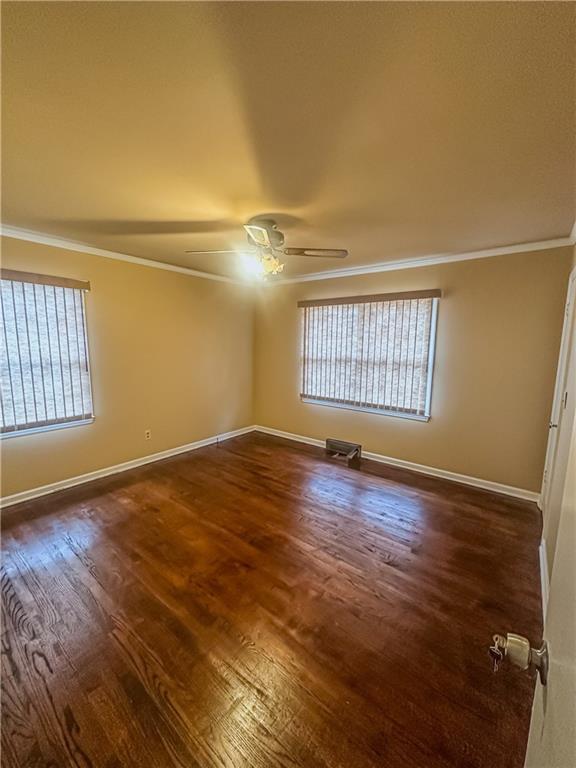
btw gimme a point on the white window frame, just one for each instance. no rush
(383, 411)
(84, 288)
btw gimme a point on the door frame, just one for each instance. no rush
(561, 374)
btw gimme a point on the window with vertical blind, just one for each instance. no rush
(371, 353)
(44, 366)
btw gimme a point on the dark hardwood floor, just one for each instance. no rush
(256, 605)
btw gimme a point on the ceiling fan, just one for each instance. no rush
(266, 243)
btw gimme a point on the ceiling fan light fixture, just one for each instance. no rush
(271, 265)
(259, 266)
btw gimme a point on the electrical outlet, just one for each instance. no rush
(148, 434)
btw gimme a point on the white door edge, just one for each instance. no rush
(561, 372)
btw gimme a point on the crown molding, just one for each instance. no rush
(411, 262)
(431, 260)
(71, 245)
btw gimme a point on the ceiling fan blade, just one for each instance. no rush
(259, 235)
(323, 253)
(151, 227)
(251, 252)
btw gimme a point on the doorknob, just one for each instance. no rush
(518, 649)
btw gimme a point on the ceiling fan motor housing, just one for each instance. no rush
(275, 236)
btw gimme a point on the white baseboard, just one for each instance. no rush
(544, 577)
(33, 493)
(486, 485)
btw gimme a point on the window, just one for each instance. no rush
(370, 352)
(44, 365)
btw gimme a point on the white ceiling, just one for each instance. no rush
(395, 130)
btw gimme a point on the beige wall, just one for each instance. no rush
(499, 327)
(169, 352)
(174, 354)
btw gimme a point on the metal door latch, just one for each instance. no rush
(518, 649)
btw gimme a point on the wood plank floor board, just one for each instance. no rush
(257, 604)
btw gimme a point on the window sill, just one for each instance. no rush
(377, 411)
(47, 428)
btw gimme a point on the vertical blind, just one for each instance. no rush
(370, 352)
(44, 366)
